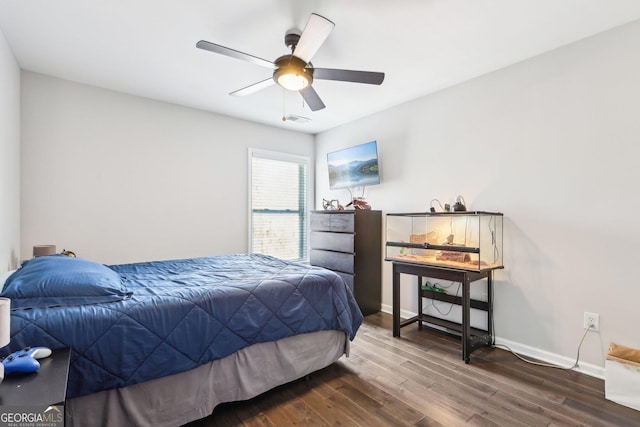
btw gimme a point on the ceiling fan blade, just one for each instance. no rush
(368, 77)
(314, 34)
(253, 88)
(312, 98)
(216, 48)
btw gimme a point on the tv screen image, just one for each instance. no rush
(354, 166)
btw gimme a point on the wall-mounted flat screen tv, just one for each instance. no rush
(354, 166)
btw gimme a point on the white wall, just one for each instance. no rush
(117, 178)
(553, 144)
(9, 158)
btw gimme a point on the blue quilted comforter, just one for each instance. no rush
(176, 315)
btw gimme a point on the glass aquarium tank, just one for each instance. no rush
(461, 240)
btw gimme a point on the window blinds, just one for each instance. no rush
(278, 205)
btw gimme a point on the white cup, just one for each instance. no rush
(5, 327)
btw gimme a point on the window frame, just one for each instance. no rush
(285, 157)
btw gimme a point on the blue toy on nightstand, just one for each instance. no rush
(25, 360)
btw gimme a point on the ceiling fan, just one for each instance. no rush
(294, 71)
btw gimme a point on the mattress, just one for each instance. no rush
(165, 317)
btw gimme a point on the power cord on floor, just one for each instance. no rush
(533, 362)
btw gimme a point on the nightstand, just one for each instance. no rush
(41, 393)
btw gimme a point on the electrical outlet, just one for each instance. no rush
(592, 319)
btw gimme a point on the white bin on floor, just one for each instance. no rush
(622, 376)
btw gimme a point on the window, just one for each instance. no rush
(278, 204)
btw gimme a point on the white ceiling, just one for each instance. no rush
(147, 47)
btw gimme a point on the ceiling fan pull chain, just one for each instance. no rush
(284, 115)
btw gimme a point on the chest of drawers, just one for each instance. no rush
(350, 243)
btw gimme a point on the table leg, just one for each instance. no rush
(466, 318)
(396, 302)
(490, 309)
(419, 303)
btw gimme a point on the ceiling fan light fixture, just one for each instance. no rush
(293, 81)
(291, 73)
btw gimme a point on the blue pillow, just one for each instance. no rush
(59, 280)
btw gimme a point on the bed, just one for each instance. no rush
(164, 342)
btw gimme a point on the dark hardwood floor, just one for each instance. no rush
(421, 380)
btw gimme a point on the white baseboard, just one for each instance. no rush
(551, 358)
(529, 352)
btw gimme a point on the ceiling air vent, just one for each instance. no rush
(297, 119)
